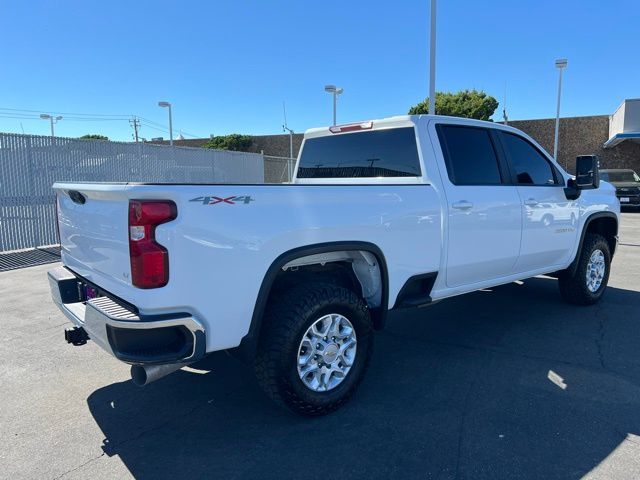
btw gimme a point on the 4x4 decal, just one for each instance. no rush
(211, 200)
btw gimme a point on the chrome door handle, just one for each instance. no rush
(463, 205)
(531, 202)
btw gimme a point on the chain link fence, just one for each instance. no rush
(29, 165)
(278, 169)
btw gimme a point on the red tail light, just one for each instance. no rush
(149, 259)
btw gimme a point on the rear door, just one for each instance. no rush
(483, 208)
(548, 218)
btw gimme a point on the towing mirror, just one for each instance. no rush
(587, 176)
(587, 172)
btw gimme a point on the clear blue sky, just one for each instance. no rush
(227, 65)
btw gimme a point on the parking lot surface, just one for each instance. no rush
(505, 383)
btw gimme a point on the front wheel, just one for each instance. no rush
(589, 280)
(314, 348)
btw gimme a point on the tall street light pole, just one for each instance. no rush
(432, 60)
(561, 64)
(168, 105)
(52, 119)
(335, 91)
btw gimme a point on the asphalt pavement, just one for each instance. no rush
(505, 383)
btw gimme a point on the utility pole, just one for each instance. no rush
(135, 123)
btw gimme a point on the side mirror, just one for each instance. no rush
(587, 176)
(587, 172)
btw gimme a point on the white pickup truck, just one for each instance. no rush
(386, 214)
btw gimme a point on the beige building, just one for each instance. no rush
(615, 138)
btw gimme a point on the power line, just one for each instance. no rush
(161, 128)
(74, 119)
(67, 113)
(26, 114)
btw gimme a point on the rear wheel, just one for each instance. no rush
(315, 348)
(589, 280)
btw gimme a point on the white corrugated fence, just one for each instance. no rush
(29, 165)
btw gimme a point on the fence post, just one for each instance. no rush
(3, 191)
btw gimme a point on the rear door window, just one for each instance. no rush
(469, 155)
(375, 153)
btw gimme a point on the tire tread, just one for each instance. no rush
(573, 288)
(282, 319)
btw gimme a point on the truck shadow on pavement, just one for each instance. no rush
(509, 383)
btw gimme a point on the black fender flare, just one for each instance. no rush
(249, 342)
(571, 269)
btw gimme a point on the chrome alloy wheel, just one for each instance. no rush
(326, 352)
(595, 271)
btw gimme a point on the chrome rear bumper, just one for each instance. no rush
(120, 330)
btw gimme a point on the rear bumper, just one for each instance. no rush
(120, 330)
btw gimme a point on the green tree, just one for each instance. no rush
(465, 103)
(235, 141)
(93, 136)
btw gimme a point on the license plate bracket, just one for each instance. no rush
(90, 292)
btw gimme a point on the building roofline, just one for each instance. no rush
(554, 118)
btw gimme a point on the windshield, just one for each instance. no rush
(623, 176)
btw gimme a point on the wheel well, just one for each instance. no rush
(607, 227)
(337, 273)
(602, 223)
(359, 266)
(356, 270)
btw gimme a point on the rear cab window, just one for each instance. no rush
(386, 153)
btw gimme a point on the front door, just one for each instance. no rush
(549, 220)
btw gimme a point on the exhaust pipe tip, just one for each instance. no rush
(138, 375)
(142, 375)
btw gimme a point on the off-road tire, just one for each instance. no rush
(573, 288)
(287, 318)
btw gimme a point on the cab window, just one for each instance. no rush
(529, 165)
(469, 155)
(377, 153)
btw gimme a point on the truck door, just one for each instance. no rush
(484, 218)
(548, 219)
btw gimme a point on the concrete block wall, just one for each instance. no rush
(581, 136)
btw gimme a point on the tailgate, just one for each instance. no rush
(93, 221)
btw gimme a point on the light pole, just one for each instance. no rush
(561, 64)
(168, 105)
(432, 60)
(52, 119)
(285, 128)
(335, 91)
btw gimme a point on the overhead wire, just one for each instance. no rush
(26, 114)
